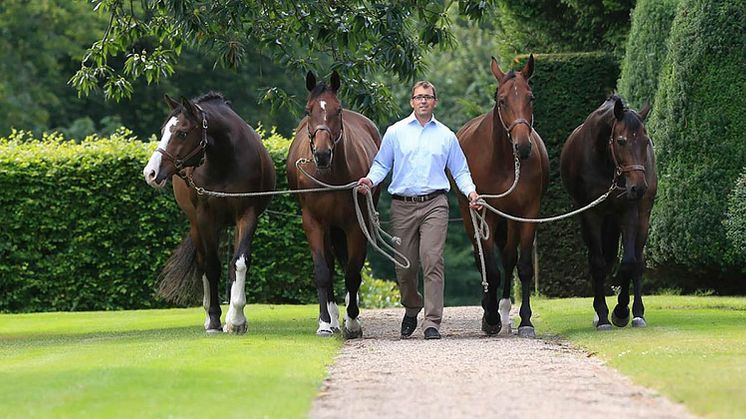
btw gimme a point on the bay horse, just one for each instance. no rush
(342, 145)
(206, 141)
(491, 143)
(613, 147)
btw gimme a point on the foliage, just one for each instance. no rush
(698, 127)
(684, 334)
(378, 293)
(41, 45)
(567, 88)
(735, 222)
(563, 26)
(160, 363)
(359, 38)
(646, 48)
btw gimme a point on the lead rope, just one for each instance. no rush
(481, 233)
(378, 232)
(373, 217)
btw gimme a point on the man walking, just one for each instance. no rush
(419, 148)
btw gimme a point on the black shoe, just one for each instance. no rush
(408, 324)
(432, 333)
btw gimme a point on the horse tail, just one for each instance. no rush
(179, 281)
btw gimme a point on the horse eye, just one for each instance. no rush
(531, 98)
(501, 101)
(621, 141)
(181, 134)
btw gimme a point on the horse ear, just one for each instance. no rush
(496, 70)
(335, 81)
(189, 110)
(528, 69)
(171, 102)
(618, 109)
(645, 110)
(310, 81)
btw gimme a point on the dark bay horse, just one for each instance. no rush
(612, 146)
(491, 142)
(206, 140)
(341, 145)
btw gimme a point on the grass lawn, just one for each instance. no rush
(160, 363)
(693, 350)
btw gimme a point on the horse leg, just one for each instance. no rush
(316, 235)
(235, 320)
(207, 255)
(509, 255)
(591, 229)
(356, 250)
(526, 274)
(638, 309)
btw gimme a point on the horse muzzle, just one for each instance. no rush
(323, 158)
(524, 150)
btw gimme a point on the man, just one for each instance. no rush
(419, 149)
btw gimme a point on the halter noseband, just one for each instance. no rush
(514, 124)
(619, 169)
(181, 163)
(312, 134)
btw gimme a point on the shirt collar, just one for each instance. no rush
(412, 118)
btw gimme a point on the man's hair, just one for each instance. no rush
(425, 84)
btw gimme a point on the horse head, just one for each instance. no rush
(515, 105)
(628, 146)
(183, 142)
(324, 112)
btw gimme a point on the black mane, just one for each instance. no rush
(213, 96)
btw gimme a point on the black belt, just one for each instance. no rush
(418, 198)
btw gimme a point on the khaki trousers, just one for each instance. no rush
(422, 228)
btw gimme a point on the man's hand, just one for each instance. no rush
(473, 201)
(364, 185)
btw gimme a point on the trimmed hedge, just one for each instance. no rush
(735, 222)
(646, 49)
(82, 231)
(698, 126)
(567, 88)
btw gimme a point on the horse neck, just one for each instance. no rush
(600, 130)
(340, 161)
(221, 154)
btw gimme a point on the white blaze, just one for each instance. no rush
(322, 103)
(150, 172)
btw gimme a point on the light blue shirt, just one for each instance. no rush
(419, 156)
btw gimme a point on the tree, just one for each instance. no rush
(358, 37)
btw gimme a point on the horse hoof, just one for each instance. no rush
(236, 329)
(335, 329)
(490, 329)
(352, 334)
(506, 329)
(638, 322)
(324, 333)
(605, 326)
(526, 332)
(213, 331)
(619, 321)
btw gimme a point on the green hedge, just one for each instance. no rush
(646, 48)
(735, 222)
(697, 125)
(567, 88)
(82, 231)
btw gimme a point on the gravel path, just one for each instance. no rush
(467, 374)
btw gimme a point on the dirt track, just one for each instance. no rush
(467, 374)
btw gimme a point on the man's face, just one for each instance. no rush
(424, 103)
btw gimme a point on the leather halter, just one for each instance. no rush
(519, 121)
(312, 134)
(182, 163)
(619, 169)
